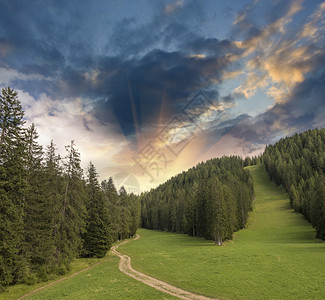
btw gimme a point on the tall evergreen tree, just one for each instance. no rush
(72, 209)
(293, 196)
(318, 208)
(97, 238)
(38, 210)
(112, 202)
(125, 219)
(218, 219)
(13, 265)
(202, 197)
(54, 191)
(135, 209)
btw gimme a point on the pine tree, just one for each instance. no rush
(135, 208)
(97, 237)
(38, 219)
(202, 209)
(218, 220)
(318, 208)
(125, 214)
(191, 212)
(112, 201)
(72, 209)
(13, 266)
(53, 192)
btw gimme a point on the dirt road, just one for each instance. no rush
(125, 267)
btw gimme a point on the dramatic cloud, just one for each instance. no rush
(288, 64)
(124, 78)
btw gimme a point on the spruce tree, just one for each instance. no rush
(13, 266)
(97, 237)
(125, 214)
(54, 188)
(135, 208)
(218, 219)
(38, 219)
(72, 208)
(112, 201)
(318, 208)
(202, 209)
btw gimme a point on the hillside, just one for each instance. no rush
(211, 200)
(276, 257)
(298, 164)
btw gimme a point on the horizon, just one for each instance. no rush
(150, 89)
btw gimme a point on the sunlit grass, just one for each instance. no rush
(277, 257)
(101, 282)
(18, 290)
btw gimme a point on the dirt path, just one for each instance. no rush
(125, 267)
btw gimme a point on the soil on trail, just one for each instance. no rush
(126, 268)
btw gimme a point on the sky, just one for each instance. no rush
(148, 89)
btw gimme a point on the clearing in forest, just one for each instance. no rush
(276, 257)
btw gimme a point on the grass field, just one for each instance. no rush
(277, 257)
(103, 281)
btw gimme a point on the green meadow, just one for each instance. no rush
(276, 257)
(103, 281)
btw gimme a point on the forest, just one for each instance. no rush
(298, 164)
(211, 200)
(50, 211)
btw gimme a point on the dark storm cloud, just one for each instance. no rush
(39, 36)
(121, 68)
(139, 87)
(157, 79)
(130, 37)
(126, 72)
(210, 46)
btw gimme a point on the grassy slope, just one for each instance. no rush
(103, 281)
(277, 257)
(18, 290)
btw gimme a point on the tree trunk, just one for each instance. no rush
(2, 135)
(65, 199)
(219, 239)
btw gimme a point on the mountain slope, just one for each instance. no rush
(276, 257)
(298, 164)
